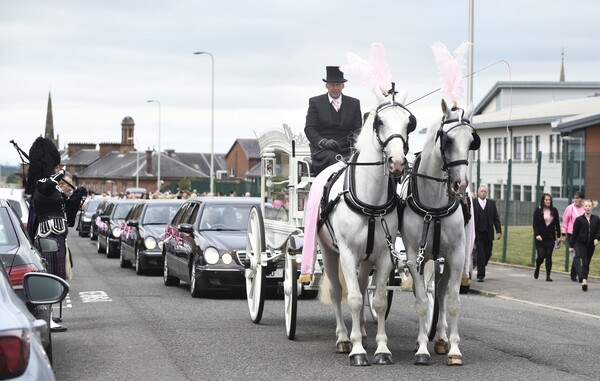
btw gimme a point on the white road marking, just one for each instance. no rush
(94, 297)
(566, 310)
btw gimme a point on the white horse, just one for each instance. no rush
(362, 223)
(433, 226)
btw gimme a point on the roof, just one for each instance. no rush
(226, 200)
(249, 146)
(542, 113)
(536, 92)
(83, 157)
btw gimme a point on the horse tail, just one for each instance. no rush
(325, 294)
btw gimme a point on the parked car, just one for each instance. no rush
(86, 215)
(20, 257)
(16, 199)
(141, 239)
(111, 223)
(22, 354)
(96, 218)
(205, 244)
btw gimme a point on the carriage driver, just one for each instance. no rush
(332, 122)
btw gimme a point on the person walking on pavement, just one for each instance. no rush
(486, 220)
(546, 231)
(332, 122)
(572, 211)
(585, 238)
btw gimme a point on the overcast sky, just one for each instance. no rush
(102, 60)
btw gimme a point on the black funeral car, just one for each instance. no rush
(112, 223)
(141, 239)
(205, 243)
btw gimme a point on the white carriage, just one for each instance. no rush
(276, 234)
(276, 230)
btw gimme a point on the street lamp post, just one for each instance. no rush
(159, 154)
(573, 138)
(137, 162)
(212, 124)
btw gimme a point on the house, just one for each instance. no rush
(516, 120)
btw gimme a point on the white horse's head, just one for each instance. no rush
(386, 128)
(455, 138)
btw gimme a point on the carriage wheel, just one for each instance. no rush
(431, 277)
(255, 273)
(290, 295)
(371, 294)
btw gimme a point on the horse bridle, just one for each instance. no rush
(412, 124)
(443, 136)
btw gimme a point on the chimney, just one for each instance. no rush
(170, 152)
(148, 161)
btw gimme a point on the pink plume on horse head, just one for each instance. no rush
(375, 73)
(451, 69)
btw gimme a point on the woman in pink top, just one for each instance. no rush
(571, 213)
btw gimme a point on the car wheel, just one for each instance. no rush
(169, 280)
(100, 250)
(193, 284)
(139, 270)
(125, 264)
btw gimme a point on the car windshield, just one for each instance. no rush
(225, 217)
(121, 211)
(159, 214)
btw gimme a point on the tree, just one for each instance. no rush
(184, 184)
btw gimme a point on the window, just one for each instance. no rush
(551, 145)
(527, 193)
(490, 149)
(517, 192)
(497, 149)
(231, 172)
(528, 148)
(537, 146)
(517, 142)
(558, 144)
(497, 191)
(555, 192)
(505, 148)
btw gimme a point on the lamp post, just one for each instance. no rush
(212, 124)
(137, 163)
(573, 138)
(158, 166)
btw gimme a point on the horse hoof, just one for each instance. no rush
(422, 359)
(382, 359)
(454, 360)
(359, 360)
(344, 347)
(440, 347)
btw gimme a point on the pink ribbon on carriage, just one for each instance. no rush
(311, 214)
(100, 224)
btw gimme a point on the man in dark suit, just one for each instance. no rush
(486, 220)
(332, 121)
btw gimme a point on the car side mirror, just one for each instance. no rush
(133, 223)
(44, 288)
(186, 228)
(46, 244)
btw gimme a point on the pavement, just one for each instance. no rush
(517, 283)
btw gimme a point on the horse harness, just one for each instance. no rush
(349, 193)
(436, 214)
(356, 205)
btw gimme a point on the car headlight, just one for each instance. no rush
(150, 243)
(116, 232)
(161, 244)
(226, 258)
(211, 255)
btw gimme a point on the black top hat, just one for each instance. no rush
(334, 75)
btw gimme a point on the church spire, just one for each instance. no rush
(49, 131)
(562, 66)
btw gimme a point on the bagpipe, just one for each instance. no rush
(25, 160)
